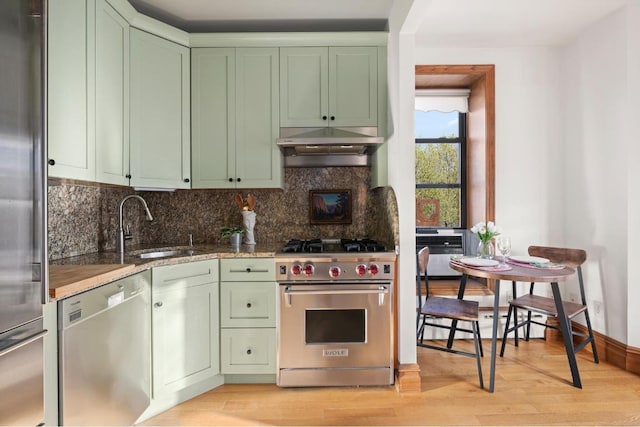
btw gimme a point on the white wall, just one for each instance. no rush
(633, 130)
(597, 182)
(403, 21)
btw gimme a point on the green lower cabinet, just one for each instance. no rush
(248, 350)
(185, 325)
(247, 304)
(248, 317)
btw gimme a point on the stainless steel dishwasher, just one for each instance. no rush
(105, 353)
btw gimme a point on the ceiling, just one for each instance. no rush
(446, 23)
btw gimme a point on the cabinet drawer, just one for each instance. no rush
(184, 275)
(248, 270)
(248, 351)
(246, 304)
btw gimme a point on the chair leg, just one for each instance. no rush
(420, 331)
(514, 291)
(596, 359)
(476, 342)
(480, 339)
(506, 331)
(528, 333)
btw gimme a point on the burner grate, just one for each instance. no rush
(362, 245)
(343, 245)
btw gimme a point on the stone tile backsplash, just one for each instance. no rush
(83, 217)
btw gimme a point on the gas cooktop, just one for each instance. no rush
(332, 246)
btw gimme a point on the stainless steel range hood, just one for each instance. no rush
(328, 146)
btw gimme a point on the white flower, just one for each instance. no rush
(486, 232)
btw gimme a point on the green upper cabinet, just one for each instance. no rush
(379, 164)
(160, 120)
(235, 118)
(258, 158)
(213, 117)
(304, 86)
(112, 92)
(334, 86)
(71, 148)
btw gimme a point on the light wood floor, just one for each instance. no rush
(532, 388)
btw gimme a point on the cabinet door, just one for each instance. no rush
(185, 337)
(353, 86)
(185, 325)
(112, 95)
(159, 102)
(379, 159)
(213, 105)
(304, 84)
(71, 147)
(258, 158)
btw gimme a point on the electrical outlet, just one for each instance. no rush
(597, 307)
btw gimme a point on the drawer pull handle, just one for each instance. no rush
(248, 270)
(248, 351)
(248, 305)
(158, 304)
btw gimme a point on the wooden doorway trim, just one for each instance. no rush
(480, 79)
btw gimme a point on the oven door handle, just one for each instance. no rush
(381, 292)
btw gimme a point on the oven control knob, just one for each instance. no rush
(361, 270)
(374, 269)
(334, 271)
(296, 269)
(308, 269)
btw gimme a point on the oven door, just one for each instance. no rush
(331, 326)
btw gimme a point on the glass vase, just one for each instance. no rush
(486, 250)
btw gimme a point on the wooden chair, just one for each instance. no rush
(573, 258)
(432, 307)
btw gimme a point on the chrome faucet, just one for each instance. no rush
(122, 235)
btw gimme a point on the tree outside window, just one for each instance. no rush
(440, 169)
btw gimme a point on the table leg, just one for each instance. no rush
(566, 335)
(494, 336)
(454, 323)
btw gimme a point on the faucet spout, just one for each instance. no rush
(121, 230)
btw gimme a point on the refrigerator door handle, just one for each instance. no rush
(25, 341)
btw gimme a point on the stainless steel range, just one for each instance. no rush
(335, 313)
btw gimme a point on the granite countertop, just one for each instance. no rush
(105, 267)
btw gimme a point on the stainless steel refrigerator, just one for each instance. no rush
(22, 212)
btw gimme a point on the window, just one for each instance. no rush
(440, 169)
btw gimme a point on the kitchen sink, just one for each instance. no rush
(167, 253)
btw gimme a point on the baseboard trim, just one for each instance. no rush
(612, 351)
(408, 378)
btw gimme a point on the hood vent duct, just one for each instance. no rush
(328, 146)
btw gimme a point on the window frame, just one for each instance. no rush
(462, 185)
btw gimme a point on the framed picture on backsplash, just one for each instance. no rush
(330, 206)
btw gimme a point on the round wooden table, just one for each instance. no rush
(521, 274)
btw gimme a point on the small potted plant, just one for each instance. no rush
(234, 233)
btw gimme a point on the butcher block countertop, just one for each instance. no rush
(70, 276)
(67, 280)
